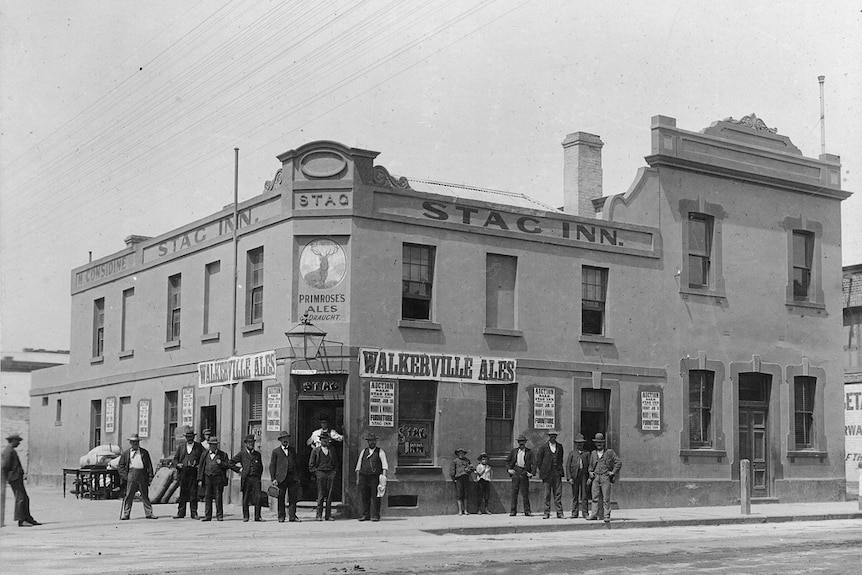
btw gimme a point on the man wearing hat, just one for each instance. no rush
(314, 439)
(13, 474)
(323, 465)
(549, 463)
(186, 463)
(520, 464)
(284, 474)
(577, 472)
(212, 473)
(249, 464)
(136, 470)
(604, 467)
(369, 467)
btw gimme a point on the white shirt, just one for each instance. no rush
(521, 454)
(367, 453)
(553, 447)
(135, 459)
(314, 440)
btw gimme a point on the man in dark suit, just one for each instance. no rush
(212, 473)
(13, 474)
(577, 472)
(249, 464)
(520, 464)
(284, 474)
(549, 463)
(186, 463)
(136, 470)
(323, 465)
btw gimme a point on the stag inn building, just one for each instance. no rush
(695, 319)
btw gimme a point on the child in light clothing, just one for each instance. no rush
(483, 470)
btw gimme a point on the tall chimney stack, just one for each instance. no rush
(582, 173)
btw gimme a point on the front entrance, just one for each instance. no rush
(208, 421)
(595, 404)
(754, 389)
(308, 420)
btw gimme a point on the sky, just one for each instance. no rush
(121, 118)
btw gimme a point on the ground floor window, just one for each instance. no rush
(417, 405)
(254, 407)
(500, 418)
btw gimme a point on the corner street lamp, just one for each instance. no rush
(305, 339)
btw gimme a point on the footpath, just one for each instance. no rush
(56, 512)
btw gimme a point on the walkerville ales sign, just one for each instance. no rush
(238, 368)
(386, 363)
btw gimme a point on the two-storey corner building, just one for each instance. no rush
(693, 319)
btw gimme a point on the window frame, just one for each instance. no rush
(98, 328)
(210, 270)
(705, 433)
(95, 423)
(598, 305)
(253, 399)
(499, 444)
(128, 294)
(501, 278)
(713, 215)
(254, 286)
(804, 382)
(717, 451)
(816, 298)
(427, 418)
(174, 319)
(172, 417)
(704, 255)
(805, 267)
(412, 274)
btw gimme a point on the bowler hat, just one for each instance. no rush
(553, 432)
(599, 437)
(207, 430)
(322, 417)
(14, 436)
(249, 437)
(461, 450)
(283, 435)
(371, 437)
(189, 431)
(579, 438)
(134, 437)
(522, 437)
(213, 440)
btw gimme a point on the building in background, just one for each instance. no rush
(692, 319)
(15, 369)
(852, 286)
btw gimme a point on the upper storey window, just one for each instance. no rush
(417, 277)
(699, 249)
(803, 256)
(174, 292)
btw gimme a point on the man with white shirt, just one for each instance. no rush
(520, 466)
(136, 469)
(369, 468)
(186, 463)
(314, 439)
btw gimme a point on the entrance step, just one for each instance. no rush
(307, 510)
(763, 500)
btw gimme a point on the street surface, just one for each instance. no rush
(85, 537)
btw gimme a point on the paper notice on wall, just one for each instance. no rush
(144, 418)
(110, 411)
(852, 431)
(381, 403)
(650, 411)
(188, 407)
(544, 408)
(273, 408)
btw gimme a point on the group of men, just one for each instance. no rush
(591, 475)
(205, 465)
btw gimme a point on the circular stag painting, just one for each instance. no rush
(322, 264)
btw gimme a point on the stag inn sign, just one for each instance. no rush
(385, 363)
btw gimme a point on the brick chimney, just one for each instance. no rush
(582, 173)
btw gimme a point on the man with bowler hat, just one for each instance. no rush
(13, 474)
(577, 472)
(604, 467)
(369, 467)
(249, 464)
(136, 469)
(186, 463)
(520, 464)
(549, 463)
(323, 465)
(284, 474)
(212, 473)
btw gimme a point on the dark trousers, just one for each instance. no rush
(368, 492)
(520, 482)
(484, 494)
(552, 486)
(251, 496)
(22, 501)
(188, 492)
(137, 481)
(325, 480)
(291, 489)
(580, 496)
(213, 489)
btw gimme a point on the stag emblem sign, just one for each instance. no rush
(322, 264)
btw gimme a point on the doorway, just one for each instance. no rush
(754, 390)
(595, 404)
(125, 421)
(208, 420)
(308, 420)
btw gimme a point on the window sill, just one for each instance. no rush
(418, 470)
(252, 328)
(210, 337)
(807, 454)
(593, 338)
(420, 324)
(127, 354)
(503, 332)
(97, 360)
(718, 296)
(58, 424)
(172, 344)
(806, 304)
(718, 454)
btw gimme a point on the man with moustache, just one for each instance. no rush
(249, 464)
(212, 473)
(549, 462)
(136, 469)
(520, 464)
(186, 463)
(284, 474)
